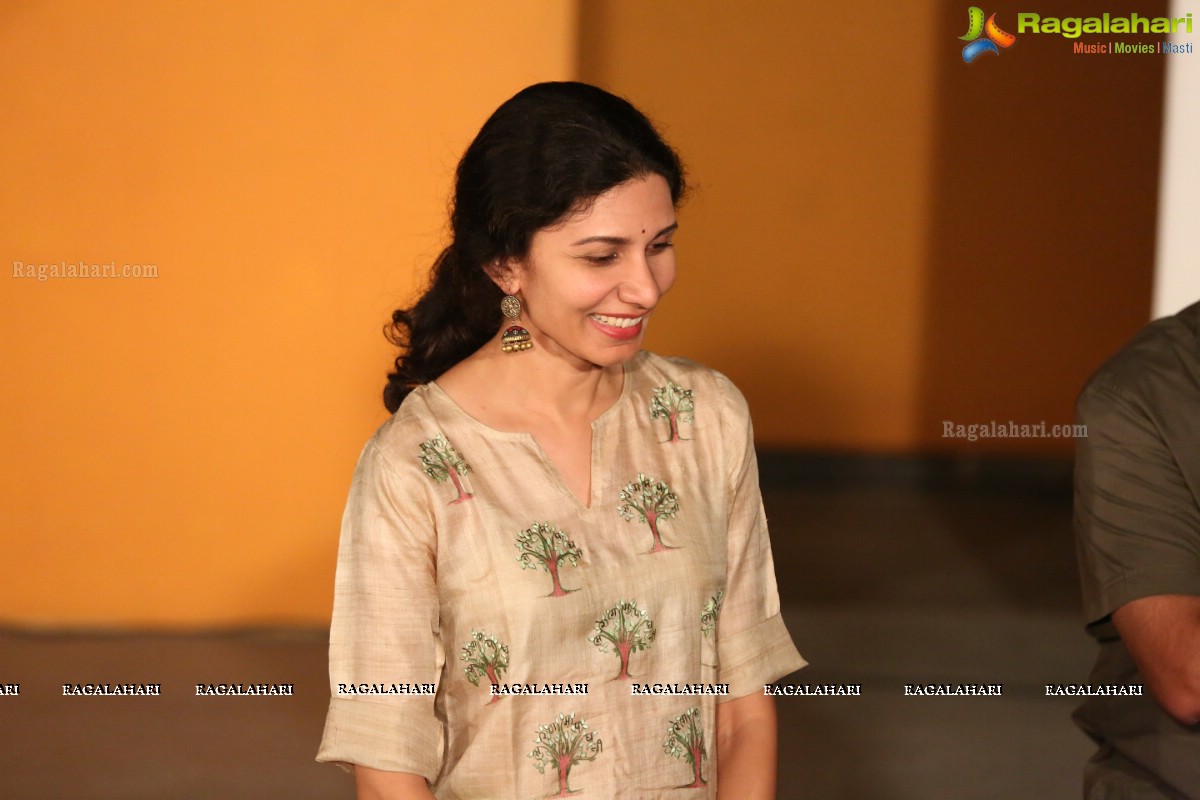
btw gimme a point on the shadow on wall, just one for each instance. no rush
(885, 243)
(1042, 225)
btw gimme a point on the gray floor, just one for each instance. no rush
(889, 587)
(881, 587)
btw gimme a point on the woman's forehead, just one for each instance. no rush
(638, 205)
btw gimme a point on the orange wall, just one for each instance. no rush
(177, 450)
(883, 237)
(802, 250)
(1041, 230)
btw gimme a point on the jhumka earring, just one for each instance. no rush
(515, 338)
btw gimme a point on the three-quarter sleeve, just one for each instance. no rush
(753, 646)
(1137, 525)
(385, 629)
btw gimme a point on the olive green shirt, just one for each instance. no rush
(1137, 529)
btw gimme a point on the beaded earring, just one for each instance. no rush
(515, 338)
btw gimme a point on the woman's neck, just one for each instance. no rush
(512, 391)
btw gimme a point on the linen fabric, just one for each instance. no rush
(466, 562)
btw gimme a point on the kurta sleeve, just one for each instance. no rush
(385, 628)
(753, 646)
(1137, 524)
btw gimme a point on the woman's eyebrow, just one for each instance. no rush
(621, 239)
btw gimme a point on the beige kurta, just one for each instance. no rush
(477, 597)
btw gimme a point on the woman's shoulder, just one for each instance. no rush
(660, 372)
(414, 424)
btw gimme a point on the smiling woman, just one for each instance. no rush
(588, 299)
(552, 506)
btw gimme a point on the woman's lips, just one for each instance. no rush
(618, 327)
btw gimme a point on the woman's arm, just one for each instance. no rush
(375, 784)
(746, 748)
(385, 622)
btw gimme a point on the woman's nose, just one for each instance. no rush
(639, 286)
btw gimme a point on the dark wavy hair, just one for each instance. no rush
(544, 154)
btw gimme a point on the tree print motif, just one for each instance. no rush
(675, 404)
(544, 545)
(685, 740)
(626, 629)
(561, 745)
(441, 461)
(711, 613)
(651, 501)
(484, 655)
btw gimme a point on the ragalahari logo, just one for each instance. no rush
(996, 38)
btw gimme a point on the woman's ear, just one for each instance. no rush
(504, 273)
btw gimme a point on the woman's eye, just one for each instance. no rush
(658, 247)
(604, 259)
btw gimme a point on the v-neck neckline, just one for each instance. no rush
(552, 470)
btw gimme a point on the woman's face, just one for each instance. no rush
(590, 284)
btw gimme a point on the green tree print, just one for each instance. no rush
(543, 544)
(674, 404)
(651, 501)
(484, 655)
(711, 613)
(441, 461)
(685, 740)
(561, 745)
(626, 629)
